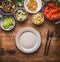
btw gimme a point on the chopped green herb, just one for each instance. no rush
(56, 1)
(20, 2)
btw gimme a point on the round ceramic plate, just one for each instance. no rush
(38, 9)
(28, 40)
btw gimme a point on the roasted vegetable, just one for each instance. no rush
(8, 6)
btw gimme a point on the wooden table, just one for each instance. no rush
(7, 41)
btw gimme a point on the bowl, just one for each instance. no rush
(20, 15)
(11, 26)
(38, 18)
(48, 7)
(4, 12)
(37, 9)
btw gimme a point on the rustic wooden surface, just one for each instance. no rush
(7, 41)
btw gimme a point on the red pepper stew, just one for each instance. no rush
(51, 11)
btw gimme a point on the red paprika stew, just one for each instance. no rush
(51, 11)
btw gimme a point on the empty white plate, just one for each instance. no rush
(28, 40)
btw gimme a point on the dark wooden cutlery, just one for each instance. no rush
(48, 42)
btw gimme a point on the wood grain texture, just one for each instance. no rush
(7, 40)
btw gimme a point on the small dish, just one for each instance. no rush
(38, 18)
(20, 15)
(7, 7)
(28, 40)
(33, 2)
(7, 26)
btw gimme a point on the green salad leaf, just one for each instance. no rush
(6, 25)
(7, 22)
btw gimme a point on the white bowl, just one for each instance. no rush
(38, 9)
(11, 27)
(28, 40)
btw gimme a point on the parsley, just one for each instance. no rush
(56, 1)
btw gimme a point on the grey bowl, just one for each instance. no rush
(11, 13)
(11, 27)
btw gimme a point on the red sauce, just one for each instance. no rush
(51, 11)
